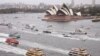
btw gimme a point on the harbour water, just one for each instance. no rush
(50, 42)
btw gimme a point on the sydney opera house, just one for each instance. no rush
(63, 14)
(64, 10)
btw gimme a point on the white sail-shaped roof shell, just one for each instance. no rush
(53, 10)
(65, 6)
(68, 11)
(79, 14)
(71, 11)
(50, 12)
(54, 7)
(64, 11)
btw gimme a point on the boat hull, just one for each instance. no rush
(96, 20)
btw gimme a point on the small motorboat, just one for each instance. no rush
(12, 41)
(15, 35)
(35, 52)
(79, 31)
(46, 31)
(66, 35)
(78, 52)
(96, 20)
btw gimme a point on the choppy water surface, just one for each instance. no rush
(20, 20)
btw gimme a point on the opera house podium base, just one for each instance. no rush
(65, 18)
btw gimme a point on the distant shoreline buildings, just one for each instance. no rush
(42, 7)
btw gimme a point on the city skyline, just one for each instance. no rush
(49, 1)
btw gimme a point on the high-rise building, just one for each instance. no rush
(72, 3)
(93, 3)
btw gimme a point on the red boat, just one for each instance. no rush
(12, 41)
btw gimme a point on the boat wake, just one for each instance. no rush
(77, 37)
(45, 47)
(16, 50)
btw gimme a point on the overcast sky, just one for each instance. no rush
(48, 1)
